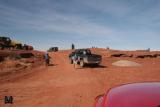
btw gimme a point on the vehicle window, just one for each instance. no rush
(81, 52)
(88, 52)
(7, 39)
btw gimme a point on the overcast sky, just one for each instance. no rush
(119, 24)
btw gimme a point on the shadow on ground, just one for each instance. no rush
(52, 64)
(92, 66)
(96, 66)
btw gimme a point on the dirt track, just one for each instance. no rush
(61, 85)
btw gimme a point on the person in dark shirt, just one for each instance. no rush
(47, 59)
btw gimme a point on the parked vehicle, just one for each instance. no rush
(16, 44)
(131, 95)
(27, 47)
(53, 49)
(5, 42)
(85, 57)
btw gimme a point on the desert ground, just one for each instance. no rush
(61, 85)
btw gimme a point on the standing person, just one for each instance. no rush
(73, 47)
(75, 60)
(47, 59)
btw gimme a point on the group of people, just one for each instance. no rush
(47, 59)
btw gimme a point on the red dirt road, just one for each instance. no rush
(61, 85)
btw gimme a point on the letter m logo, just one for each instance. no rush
(8, 100)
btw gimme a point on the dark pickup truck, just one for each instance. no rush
(84, 56)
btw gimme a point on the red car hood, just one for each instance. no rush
(134, 95)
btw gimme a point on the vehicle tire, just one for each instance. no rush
(81, 63)
(71, 61)
(97, 64)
